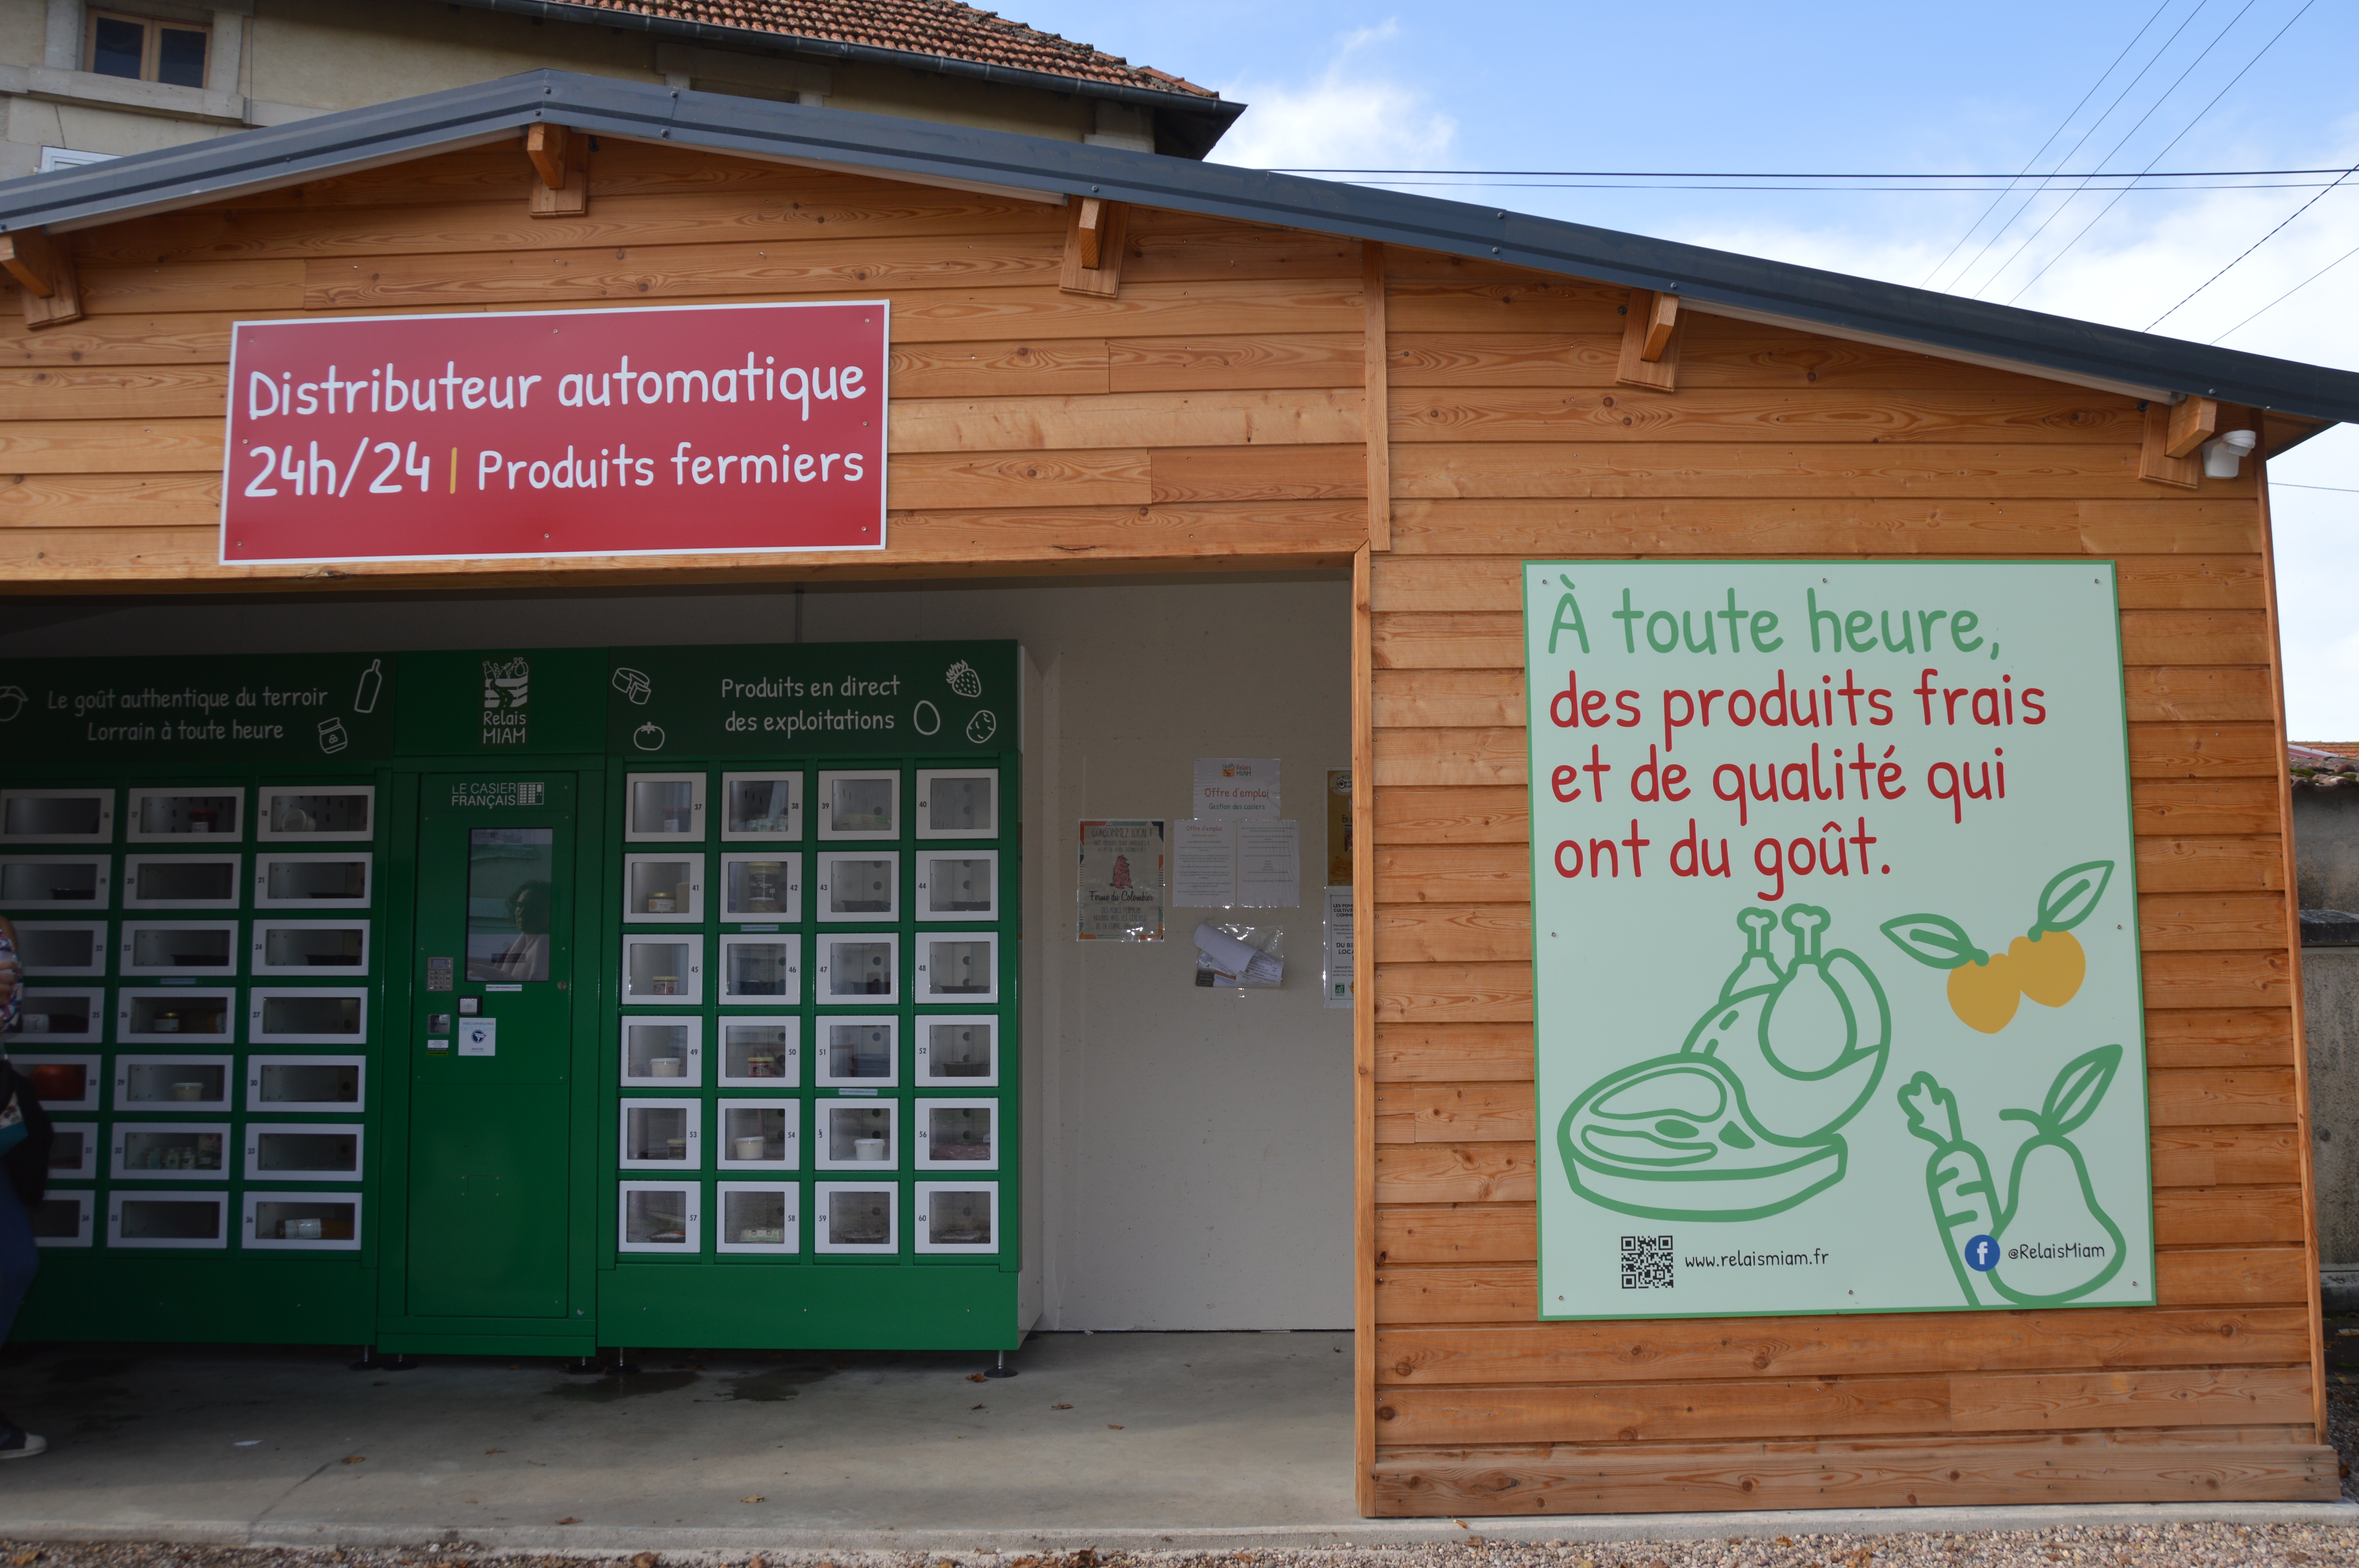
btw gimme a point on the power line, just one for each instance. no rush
(2248, 250)
(2118, 99)
(2290, 293)
(1820, 190)
(2151, 109)
(2337, 488)
(2174, 141)
(2061, 127)
(1787, 174)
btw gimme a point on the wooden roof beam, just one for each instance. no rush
(1094, 241)
(560, 161)
(1650, 340)
(44, 269)
(2193, 421)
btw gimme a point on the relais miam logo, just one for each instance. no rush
(659, 431)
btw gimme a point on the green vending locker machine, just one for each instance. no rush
(809, 1061)
(192, 851)
(525, 1001)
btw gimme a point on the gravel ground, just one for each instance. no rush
(2127, 1546)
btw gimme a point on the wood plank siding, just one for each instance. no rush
(1510, 437)
(1212, 414)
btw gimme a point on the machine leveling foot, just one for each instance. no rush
(1001, 1368)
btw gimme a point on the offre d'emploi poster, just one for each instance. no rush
(1836, 951)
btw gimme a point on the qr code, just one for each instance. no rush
(1645, 1263)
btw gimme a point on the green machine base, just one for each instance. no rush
(229, 1299)
(811, 1308)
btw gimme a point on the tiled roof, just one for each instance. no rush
(2324, 764)
(914, 27)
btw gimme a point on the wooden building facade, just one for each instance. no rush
(1103, 363)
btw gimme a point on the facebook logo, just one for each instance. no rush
(1982, 1254)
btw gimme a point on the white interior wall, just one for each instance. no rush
(1195, 1144)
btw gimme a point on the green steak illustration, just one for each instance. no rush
(2055, 1244)
(1742, 1121)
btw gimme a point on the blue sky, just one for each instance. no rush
(1878, 88)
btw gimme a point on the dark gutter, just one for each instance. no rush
(929, 150)
(1199, 123)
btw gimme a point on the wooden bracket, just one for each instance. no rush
(2193, 421)
(561, 164)
(43, 267)
(1650, 341)
(2158, 463)
(1093, 247)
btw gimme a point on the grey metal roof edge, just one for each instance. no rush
(1217, 113)
(918, 149)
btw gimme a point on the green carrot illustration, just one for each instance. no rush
(1957, 1178)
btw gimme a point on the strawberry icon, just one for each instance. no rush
(963, 679)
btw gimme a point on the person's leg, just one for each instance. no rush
(20, 1259)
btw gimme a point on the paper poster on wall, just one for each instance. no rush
(1339, 828)
(1269, 864)
(1336, 977)
(1236, 786)
(1836, 983)
(1119, 897)
(1204, 864)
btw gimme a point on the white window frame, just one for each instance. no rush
(257, 1131)
(923, 1022)
(827, 942)
(258, 964)
(927, 857)
(133, 864)
(922, 1209)
(724, 1153)
(791, 1076)
(822, 1192)
(106, 797)
(692, 1066)
(119, 1196)
(790, 1244)
(794, 808)
(264, 862)
(127, 947)
(925, 777)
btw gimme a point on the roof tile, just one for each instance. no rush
(917, 26)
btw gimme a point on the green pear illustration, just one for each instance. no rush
(2047, 1243)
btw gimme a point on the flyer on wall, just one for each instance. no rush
(1119, 897)
(1836, 982)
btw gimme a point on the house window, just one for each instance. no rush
(141, 49)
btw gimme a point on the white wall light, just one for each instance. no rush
(2225, 455)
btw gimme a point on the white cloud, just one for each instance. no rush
(2147, 254)
(1352, 116)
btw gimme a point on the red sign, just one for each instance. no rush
(658, 431)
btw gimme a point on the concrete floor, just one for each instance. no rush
(1144, 1434)
(1169, 1442)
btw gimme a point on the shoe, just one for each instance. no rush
(18, 1443)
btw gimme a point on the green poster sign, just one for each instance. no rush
(837, 698)
(316, 711)
(1836, 985)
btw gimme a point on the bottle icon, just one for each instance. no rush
(364, 695)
